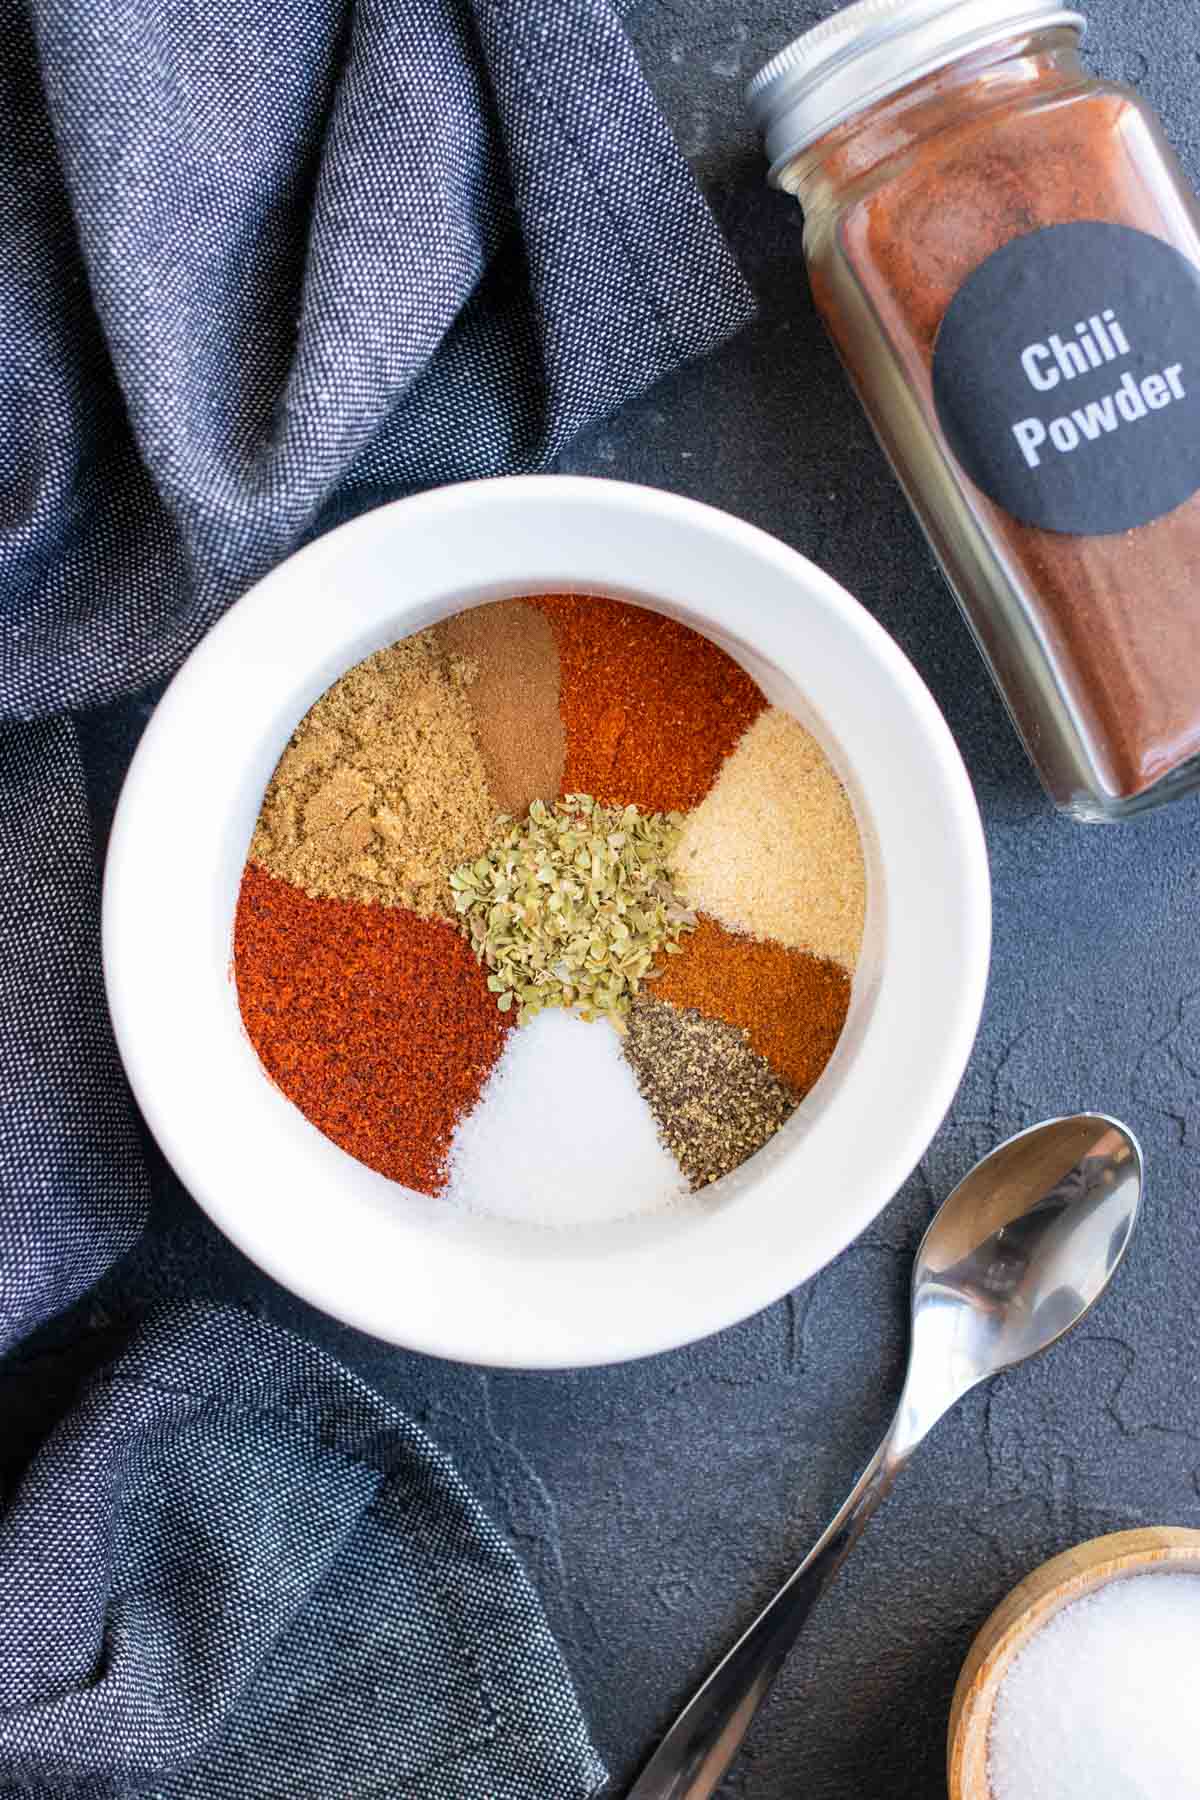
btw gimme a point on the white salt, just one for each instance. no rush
(560, 1134)
(1104, 1701)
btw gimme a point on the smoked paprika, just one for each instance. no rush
(375, 1022)
(1007, 257)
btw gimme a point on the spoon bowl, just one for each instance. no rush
(1000, 1276)
(1017, 1254)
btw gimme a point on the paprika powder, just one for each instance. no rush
(375, 1022)
(1007, 257)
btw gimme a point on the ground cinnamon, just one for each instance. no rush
(512, 685)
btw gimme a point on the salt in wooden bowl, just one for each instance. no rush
(1071, 1576)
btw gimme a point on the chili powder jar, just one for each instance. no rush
(1007, 256)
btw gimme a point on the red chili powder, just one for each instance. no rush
(651, 708)
(978, 156)
(377, 1024)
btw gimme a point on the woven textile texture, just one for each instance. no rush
(260, 269)
(235, 1571)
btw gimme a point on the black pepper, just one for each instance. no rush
(715, 1099)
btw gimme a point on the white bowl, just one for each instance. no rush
(414, 1270)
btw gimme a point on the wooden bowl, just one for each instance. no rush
(1030, 1606)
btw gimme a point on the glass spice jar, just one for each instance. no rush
(1005, 252)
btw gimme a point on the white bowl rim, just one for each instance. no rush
(690, 1308)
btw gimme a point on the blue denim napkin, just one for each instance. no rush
(261, 267)
(235, 1571)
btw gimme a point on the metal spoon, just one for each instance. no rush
(1023, 1247)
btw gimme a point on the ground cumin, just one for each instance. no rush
(382, 789)
(936, 179)
(790, 1005)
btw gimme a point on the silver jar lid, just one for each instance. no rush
(872, 49)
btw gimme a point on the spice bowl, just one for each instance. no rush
(445, 1280)
(1090, 1569)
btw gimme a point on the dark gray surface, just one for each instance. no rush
(656, 1504)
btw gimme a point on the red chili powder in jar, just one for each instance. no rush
(651, 708)
(975, 158)
(377, 1024)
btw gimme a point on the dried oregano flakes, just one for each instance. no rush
(572, 905)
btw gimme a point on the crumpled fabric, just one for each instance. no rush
(261, 268)
(234, 1570)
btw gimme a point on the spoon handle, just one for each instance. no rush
(703, 1741)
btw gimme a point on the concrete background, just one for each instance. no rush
(657, 1505)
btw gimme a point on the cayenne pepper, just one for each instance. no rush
(791, 1005)
(651, 708)
(1007, 257)
(375, 1022)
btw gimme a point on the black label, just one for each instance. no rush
(1067, 378)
